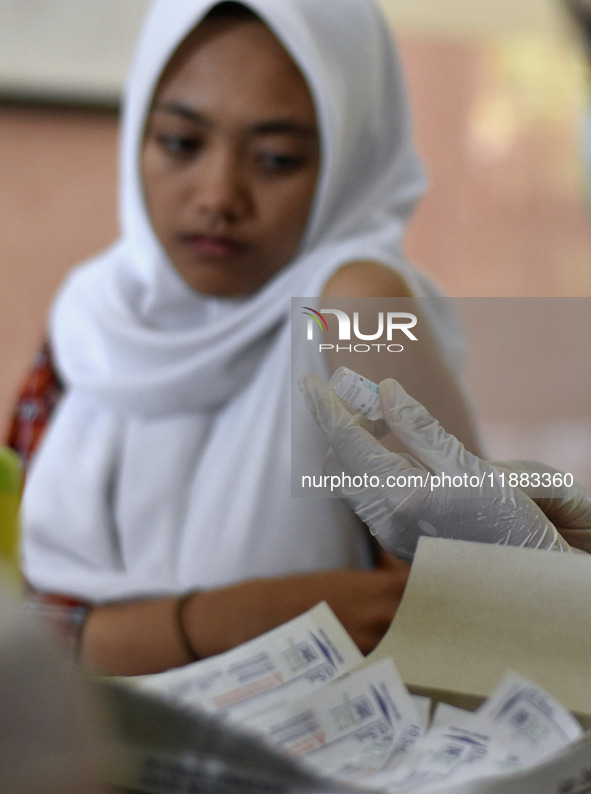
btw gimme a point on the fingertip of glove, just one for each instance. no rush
(302, 381)
(323, 403)
(307, 388)
(389, 387)
(400, 410)
(315, 396)
(392, 395)
(310, 384)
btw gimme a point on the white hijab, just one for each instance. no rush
(167, 465)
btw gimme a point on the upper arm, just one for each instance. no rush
(421, 367)
(366, 279)
(353, 287)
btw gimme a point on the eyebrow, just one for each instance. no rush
(279, 126)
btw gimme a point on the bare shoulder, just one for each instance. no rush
(366, 279)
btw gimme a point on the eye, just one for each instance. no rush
(277, 162)
(179, 145)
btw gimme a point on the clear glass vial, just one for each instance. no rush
(358, 393)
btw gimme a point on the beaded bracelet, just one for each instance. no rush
(180, 623)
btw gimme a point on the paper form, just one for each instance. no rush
(516, 726)
(289, 661)
(470, 611)
(352, 726)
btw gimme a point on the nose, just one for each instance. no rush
(220, 187)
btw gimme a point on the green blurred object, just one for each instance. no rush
(11, 480)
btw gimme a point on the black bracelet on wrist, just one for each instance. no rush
(180, 623)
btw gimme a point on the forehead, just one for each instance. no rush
(236, 65)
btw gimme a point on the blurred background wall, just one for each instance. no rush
(499, 91)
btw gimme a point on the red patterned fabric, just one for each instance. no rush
(57, 600)
(38, 395)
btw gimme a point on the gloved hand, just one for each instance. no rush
(404, 499)
(568, 507)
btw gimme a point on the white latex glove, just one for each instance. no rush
(398, 511)
(567, 507)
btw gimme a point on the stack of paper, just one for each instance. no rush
(478, 625)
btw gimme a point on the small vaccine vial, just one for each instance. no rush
(358, 393)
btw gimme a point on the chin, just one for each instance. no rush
(219, 282)
(217, 288)
(222, 286)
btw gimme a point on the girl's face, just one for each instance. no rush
(230, 157)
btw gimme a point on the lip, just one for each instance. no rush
(210, 246)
